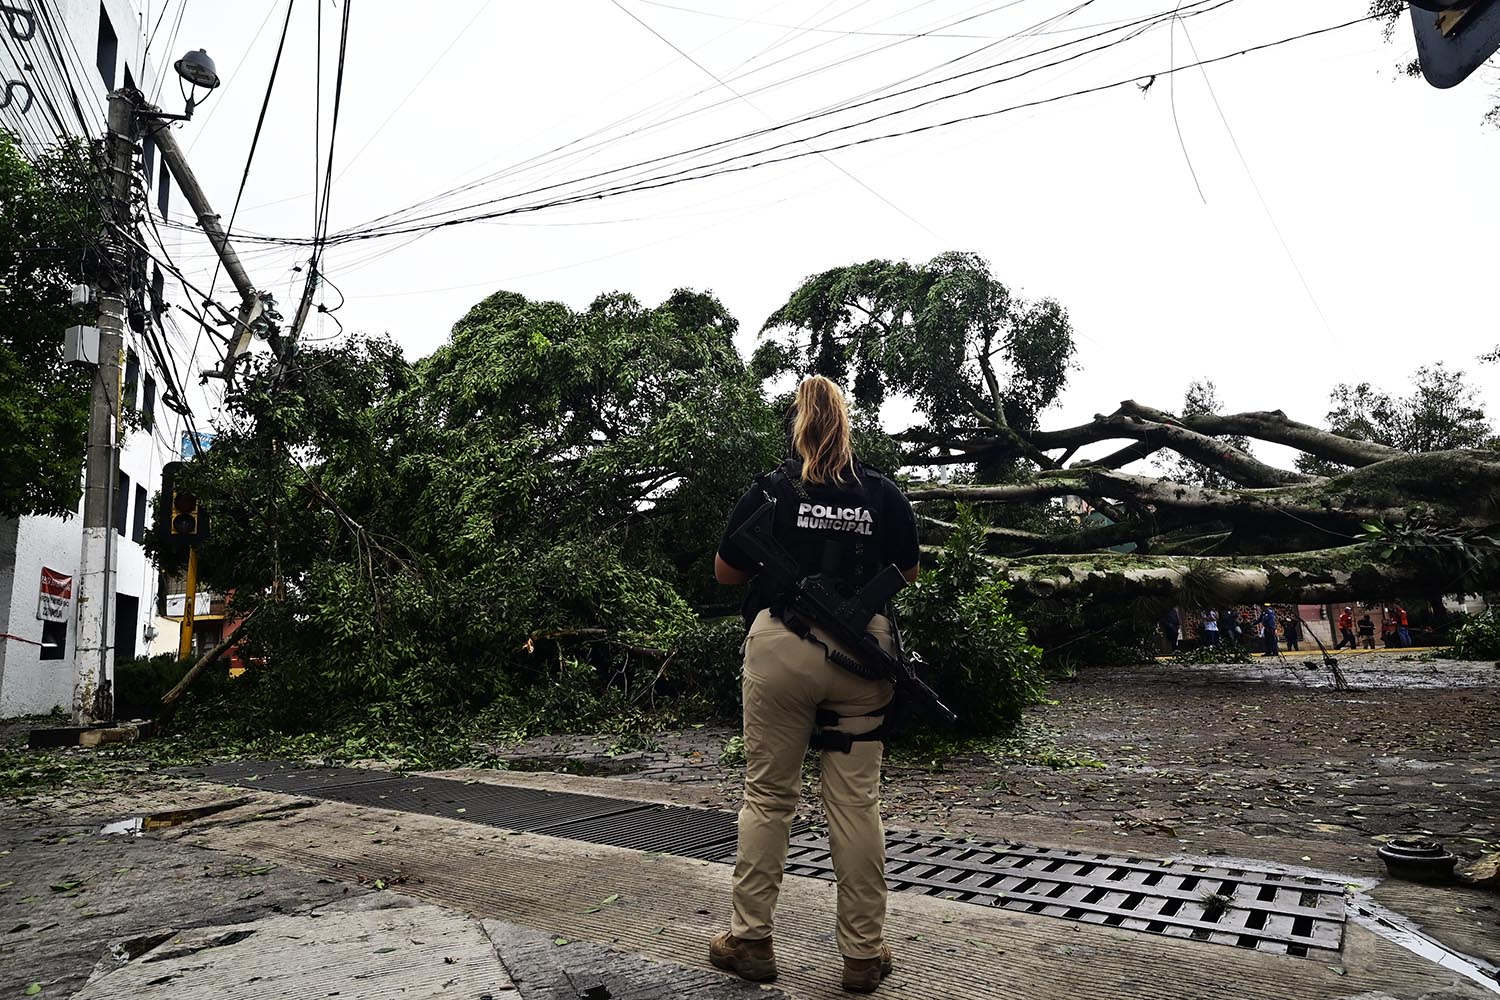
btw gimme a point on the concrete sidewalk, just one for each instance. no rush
(95, 917)
(266, 900)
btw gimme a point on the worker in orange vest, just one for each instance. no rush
(1401, 626)
(1346, 628)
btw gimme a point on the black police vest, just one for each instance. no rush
(827, 528)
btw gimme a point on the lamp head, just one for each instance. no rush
(198, 69)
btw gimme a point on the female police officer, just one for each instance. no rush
(833, 514)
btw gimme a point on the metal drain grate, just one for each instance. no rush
(1266, 911)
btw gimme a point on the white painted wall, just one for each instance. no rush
(29, 684)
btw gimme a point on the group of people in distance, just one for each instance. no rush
(1264, 627)
(1394, 628)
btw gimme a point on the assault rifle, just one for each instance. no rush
(817, 600)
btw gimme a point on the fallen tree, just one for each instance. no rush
(1402, 497)
(1395, 523)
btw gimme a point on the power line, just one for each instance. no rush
(480, 9)
(1140, 24)
(729, 165)
(161, 78)
(233, 75)
(1172, 99)
(826, 159)
(845, 32)
(260, 122)
(1256, 187)
(550, 158)
(647, 183)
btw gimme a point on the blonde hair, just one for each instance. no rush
(820, 431)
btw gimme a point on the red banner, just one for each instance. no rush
(56, 596)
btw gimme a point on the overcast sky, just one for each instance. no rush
(1344, 231)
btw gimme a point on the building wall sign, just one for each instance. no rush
(56, 596)
(20, 23)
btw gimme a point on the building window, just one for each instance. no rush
(163, 188)
(148, 157)
(148, 403)
(132, 379)
(122, 502)
(108, 52)
(127, 625)
(54, 640)
(138, 525)
(158, 294)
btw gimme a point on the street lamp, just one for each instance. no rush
(196, 70)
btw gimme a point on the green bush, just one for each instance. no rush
(1092, 633)
(1224, 652)
(979, 658)
(1478, 638)
(705, 667)
(140, 683)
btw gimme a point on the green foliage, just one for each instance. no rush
(514, 525)
(1224, 652)
(1201, 397)
(733, 754)
(972, 356)
(1478, 638)
(47, 218)
(1443, 411)
(956, 615)
(139, 683)
(1463, 555)
(1092, 633)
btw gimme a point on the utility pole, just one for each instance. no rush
(185, 636)
(253, 304)
(93, 699)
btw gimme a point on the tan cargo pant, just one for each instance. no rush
(786, 679)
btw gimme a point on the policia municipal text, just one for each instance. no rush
(834, 515)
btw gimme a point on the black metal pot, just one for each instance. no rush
(1418, 860)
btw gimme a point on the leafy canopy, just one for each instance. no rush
(1201, 397)
(970, 354)
(525, 508)
(47, 209)
(1441, 412)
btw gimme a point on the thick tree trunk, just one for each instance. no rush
(1436, 529)
(169, 700)
(1314, 577)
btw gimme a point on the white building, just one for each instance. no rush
(64, 57)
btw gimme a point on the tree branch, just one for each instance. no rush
(1310, 577)
(1025, 543)
(1107, 484)
(169, 699)
(1276, 427)
(1168, 432)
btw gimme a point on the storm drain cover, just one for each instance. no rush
(1264, 911)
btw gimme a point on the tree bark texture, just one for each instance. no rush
(1393, 523)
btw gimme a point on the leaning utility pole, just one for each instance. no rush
(253, 304)
(93, 699)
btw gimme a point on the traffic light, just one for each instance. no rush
(1454, 37)
(183, 519)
